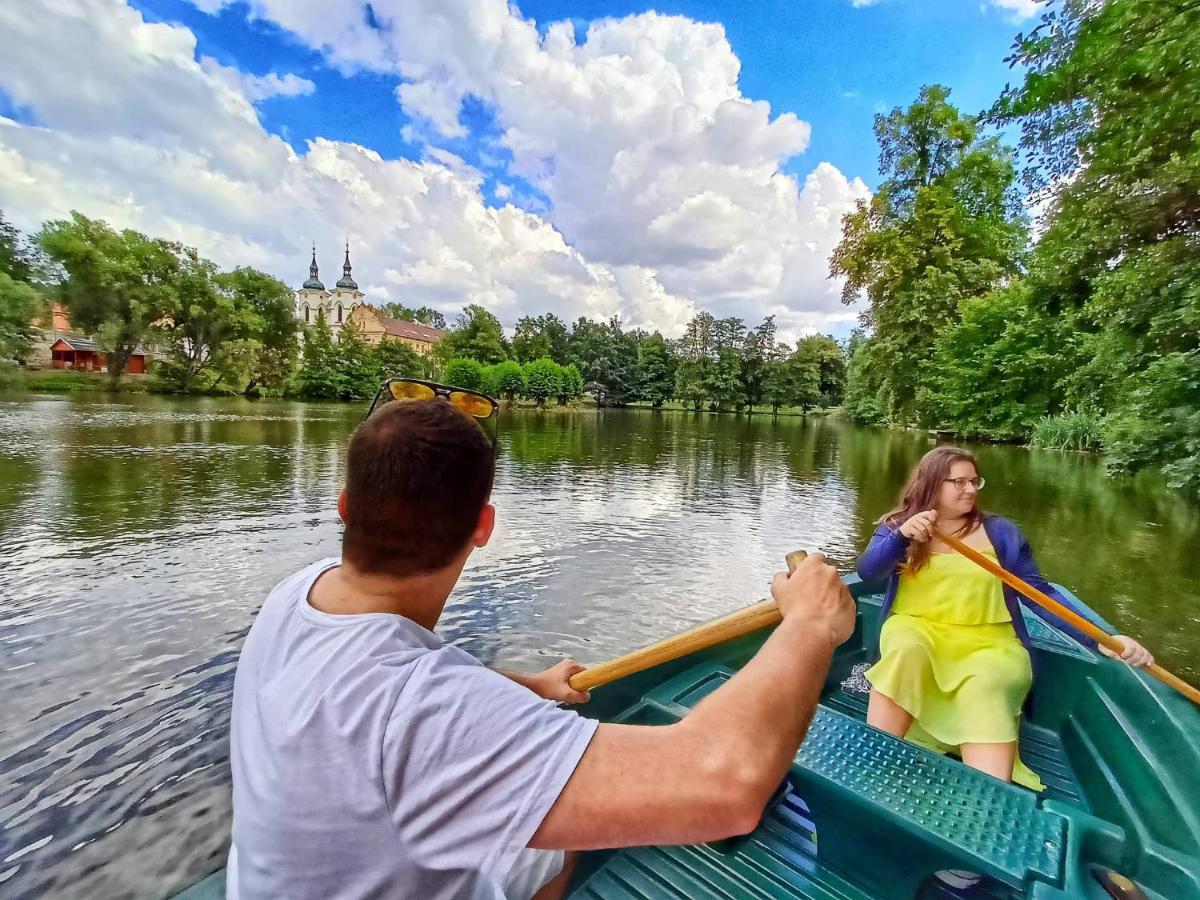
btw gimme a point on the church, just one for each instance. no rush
(313, 300)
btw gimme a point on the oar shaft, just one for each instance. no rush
(764, 614)
(1064, 612)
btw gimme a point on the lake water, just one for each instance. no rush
(139, 534)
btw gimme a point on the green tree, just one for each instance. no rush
(357, 364)
(804, 372)
(655, 370)
(863, 401)
(319, 377)
(465, 373)
(1000, 370)
(779, 381)
(425, 315)
(18, 260)
(757, 350)
(544, 335)
(200, 322)
(944, 225)
(395, 359)
(696, 352)
(505, 380)
(19, 303)
(274, 343)
(116, 285)
(1109, 110)
(476, 335)
(571, 384)
(723, 385)
(543, 379)
(606, 356)
(831, 367)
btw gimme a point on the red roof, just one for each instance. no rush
(414, 331)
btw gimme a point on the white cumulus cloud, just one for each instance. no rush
(665, 187)
(1018, 10)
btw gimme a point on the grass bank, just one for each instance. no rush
(63, 381)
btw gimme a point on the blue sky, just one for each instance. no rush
(833, 64)
(582, 158)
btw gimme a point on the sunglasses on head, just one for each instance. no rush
(480, 407)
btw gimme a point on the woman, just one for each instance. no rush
(954, 664)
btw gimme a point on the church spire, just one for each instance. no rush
(346, 281)
(314, 281)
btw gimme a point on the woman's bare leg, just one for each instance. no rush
(886, 715)
(995, 759)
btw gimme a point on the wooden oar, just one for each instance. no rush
(764, 614)
(1065, 613)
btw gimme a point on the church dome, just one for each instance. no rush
(313, 283)
(346, 281)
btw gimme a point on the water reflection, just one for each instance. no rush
(139, 535)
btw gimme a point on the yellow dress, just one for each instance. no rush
(950, 658)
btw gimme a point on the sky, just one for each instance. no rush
(644, 160)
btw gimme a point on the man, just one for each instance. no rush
(371, 760)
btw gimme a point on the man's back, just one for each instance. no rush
(371, 761)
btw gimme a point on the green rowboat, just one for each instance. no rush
(865, 815)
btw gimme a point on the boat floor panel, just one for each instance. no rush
(1041, 749)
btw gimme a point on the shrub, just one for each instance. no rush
(543, 379)
(464, 373)
(1069, 431)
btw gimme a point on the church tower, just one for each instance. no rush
(346, 296)
(312, 300)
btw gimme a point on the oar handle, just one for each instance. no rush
(1064, 612)
(764, 614)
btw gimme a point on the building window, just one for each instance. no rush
(339, 312)
(306, 314)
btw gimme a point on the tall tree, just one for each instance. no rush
(19, 303)
(395, 359)
(117, 284)
(655, 370)
(319, 377)
(542, 336)
(18, 259)
(945, 224)
(274, 341)
(606, 356)
(757, 350)
(477, 335)
(696, 353)
(1109, 110)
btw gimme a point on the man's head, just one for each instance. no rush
(418, 477)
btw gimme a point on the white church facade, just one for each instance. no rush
(313, 300)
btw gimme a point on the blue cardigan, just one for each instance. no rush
(889, 548)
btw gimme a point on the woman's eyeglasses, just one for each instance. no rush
(961, 483)
(480, 407)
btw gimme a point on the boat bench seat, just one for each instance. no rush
(893, 811)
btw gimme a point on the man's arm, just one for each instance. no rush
(710, 775)
(554, 683)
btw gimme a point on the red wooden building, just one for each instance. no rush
(70, 352)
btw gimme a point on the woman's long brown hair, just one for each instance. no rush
(920, 494)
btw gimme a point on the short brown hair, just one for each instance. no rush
(921, 492)
(417, 475)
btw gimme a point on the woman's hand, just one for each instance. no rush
(555, 683)
(1134, 653)
(920, 527)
